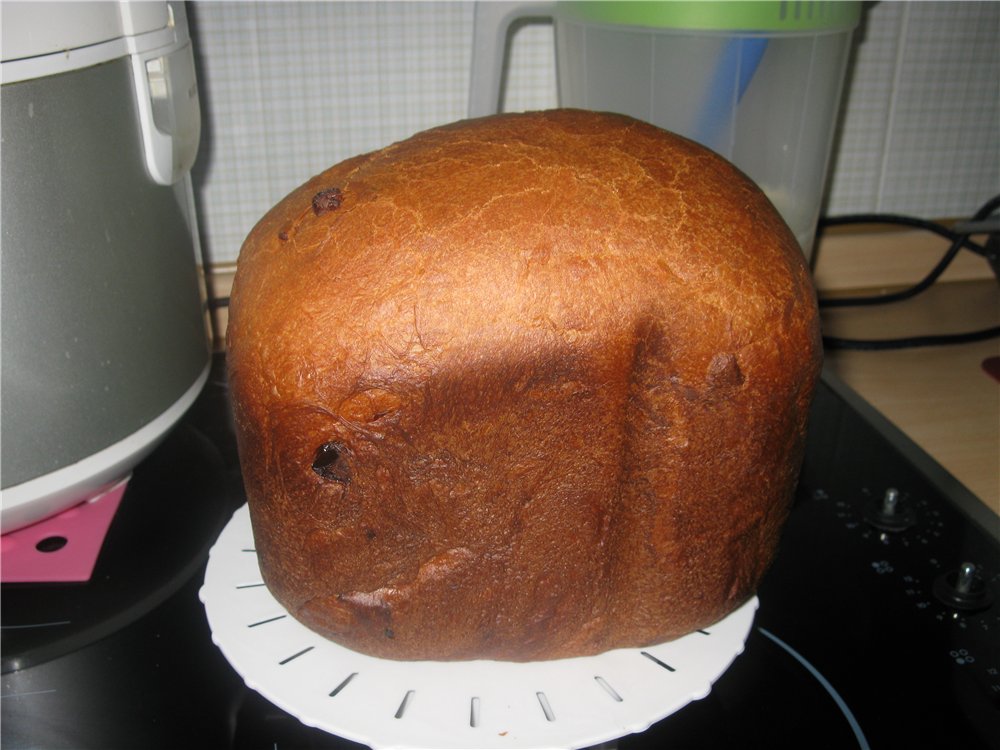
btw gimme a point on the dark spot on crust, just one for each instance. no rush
(370, 534)
(724, 372)
(283, 236)
(389, 633)
(331, 463)
(327, 200)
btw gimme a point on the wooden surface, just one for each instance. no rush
(871, 257)
(940, 396)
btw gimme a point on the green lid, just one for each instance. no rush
(719, 15)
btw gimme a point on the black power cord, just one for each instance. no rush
(911, 342)
(959, 240)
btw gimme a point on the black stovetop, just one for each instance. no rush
(867, 636)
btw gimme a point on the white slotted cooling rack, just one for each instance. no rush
(386, 704)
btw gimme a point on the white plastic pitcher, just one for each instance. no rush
(757, 82)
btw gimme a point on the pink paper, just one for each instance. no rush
(63, 547)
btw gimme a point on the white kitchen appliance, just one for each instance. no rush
(104, 341)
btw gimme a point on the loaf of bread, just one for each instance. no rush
(524, 387)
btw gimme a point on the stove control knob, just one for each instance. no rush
(890, 513)
(963, 589)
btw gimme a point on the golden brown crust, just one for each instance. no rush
(523, 387)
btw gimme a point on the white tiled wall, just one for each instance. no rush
(290, 88)
(921, 131)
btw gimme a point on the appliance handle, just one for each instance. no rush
(169, 111)
(491, 28)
